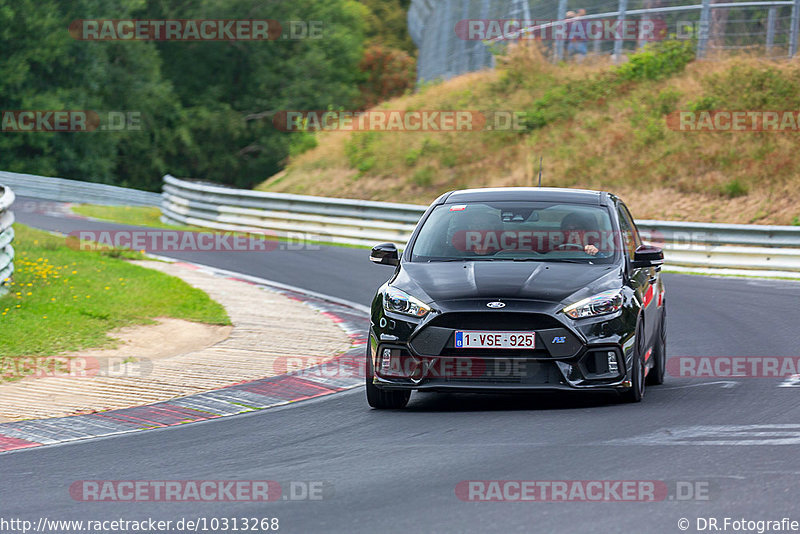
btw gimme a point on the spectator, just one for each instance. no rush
(577, 44)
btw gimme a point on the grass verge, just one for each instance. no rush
(63, 299)
(149, 216)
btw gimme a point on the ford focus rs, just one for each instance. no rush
(517, 289)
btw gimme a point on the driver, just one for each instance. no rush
(585, 225)
(487, 225)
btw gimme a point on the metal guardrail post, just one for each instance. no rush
(795, 28)
(705, 28)
(559, 45)
(771, 15)
(623, 8)
(6, 237)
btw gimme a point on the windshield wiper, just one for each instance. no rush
(467, 259)
(564, 260)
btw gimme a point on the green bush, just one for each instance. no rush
(754, 87)
(734, 188)
(423, 177)
(301, 142)
(360, 150)
(563, 101)
(667, 101)
(657, 61)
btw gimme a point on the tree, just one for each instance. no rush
(204, 106)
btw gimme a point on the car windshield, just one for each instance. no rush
(517, 231)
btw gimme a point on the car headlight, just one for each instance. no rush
(398, 301)
(600, 304)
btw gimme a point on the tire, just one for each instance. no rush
(381, 399)
(636, 391)
(656, 375)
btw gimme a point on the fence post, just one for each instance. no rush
(623, 7)
(462, 44)
(705, 28)
(559, 45)
(445, 69)
(771, 29)
(795, 29)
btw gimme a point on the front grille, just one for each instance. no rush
(512, 371)
(494, 353)
(495, 321)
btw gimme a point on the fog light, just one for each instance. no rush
(397, 363)
(612, 362)
(386, 360)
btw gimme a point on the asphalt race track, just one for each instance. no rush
(735, 441)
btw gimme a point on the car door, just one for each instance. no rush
(645, 280)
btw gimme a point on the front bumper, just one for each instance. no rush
(596, 355)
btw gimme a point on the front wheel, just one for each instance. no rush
(636, 392)
(381, 399)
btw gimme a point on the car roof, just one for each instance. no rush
(545, 194)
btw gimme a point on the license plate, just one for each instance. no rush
(477, 339)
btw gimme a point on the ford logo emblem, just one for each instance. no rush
(496, 305)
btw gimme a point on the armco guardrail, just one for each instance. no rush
(688, 245)
(6, 237)
(335, 220)
(63, 190)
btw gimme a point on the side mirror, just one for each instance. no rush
(647, 256)
(385, 254)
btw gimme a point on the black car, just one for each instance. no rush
(515, 289)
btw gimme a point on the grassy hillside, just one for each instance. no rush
(598, 126)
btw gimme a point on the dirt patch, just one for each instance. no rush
(175, 358)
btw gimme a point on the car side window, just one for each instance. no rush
(629, 234)
(634, 230)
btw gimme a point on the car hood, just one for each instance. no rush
(546, 281)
